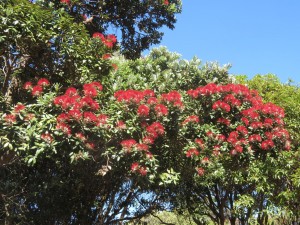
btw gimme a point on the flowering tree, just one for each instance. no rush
(153, 139)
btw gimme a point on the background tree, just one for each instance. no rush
(138, 21)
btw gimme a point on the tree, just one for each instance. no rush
(288, 97)
(138, 21)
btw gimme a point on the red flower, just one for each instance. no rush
(102, 120)
(238, 148)
(143, 170)
(89, 117)
(143, 110)
(224, 121)
(75, 114)
(192, 152)
(128, 144)
(166, 2)
(243, 130)
(47, 137)
(63, 117)
(148, 140)
(255, 138)
(200, 171)
(134, 166)
(37, 90)
(173, 97)
(161, 110)
(29, 116)
(65, 2)
(149, 155)
(115, 66)
(142, 147)
(90, 90)
(152, 101)
(193, 119)
(80, 136)
(71, 92)
(106, 56)
(99, 36)
(43, 82)
(200, 142)
(155, 129)
(90, 145)
(64, 128)
(19, 107)
(10, 118)
(267, 144)
(121, 125)
(27, 85)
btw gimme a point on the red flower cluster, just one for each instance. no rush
(128, 144)
(36, 90)
(221, 105)
(191, 119)
(173, 97)
(109, 41)
(80, 110)
(192, 152)
(10, 118)
(136, 167)
(47, 137)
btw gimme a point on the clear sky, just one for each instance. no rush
(255, 36)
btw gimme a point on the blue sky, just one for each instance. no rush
(255, 36)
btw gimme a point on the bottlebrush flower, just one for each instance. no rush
(143, 171)
(173, 97)
(143, 110)
(224, 121)
(36, 90)
(152, 101)
(90, 145)
(221, 105)
(99, 36)
(134, 166)
(19, 107)
(121, 125)
(63, 117)
(149, 155)
(128, 144)
(71, 91)
(80, 136)
(47, 137)
(148, 140)
(243, 130)
(89, 90)
(67, 2)
(166, 2)
(106, 56)
(75, 114)
(193, 119)
(142, 147)
(64, 128)
(27, 85)
(267, 144)
(43, 82)
(102, 119)
(255, 138)
(192, 152)
(200, 143)
(29, 116)
(155, 129)
(161, 110)
(90, 117)
(10, 118)
(200, 171)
